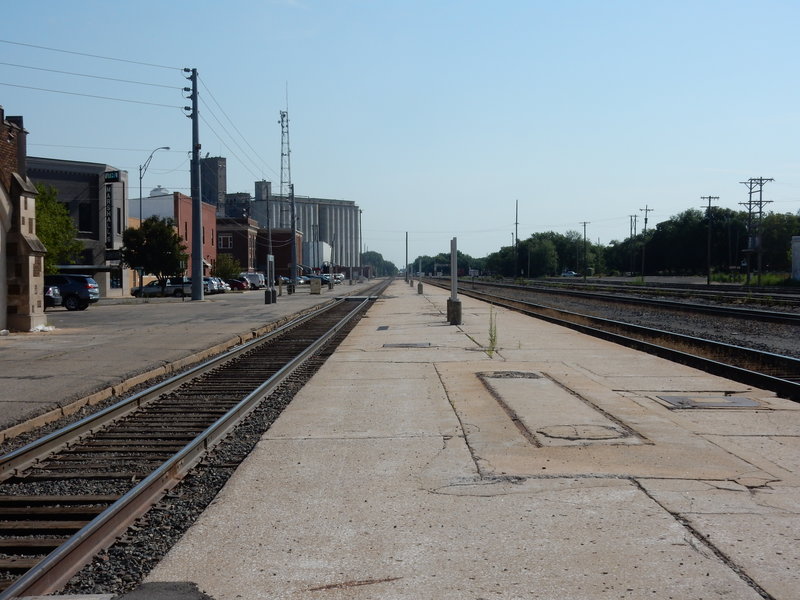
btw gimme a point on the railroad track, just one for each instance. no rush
(786, 297)
(622, 295)
(68, 495)
(780, 374)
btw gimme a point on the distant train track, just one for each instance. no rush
(625, 295)
(784, 297)
(68, 495)
(767, 370)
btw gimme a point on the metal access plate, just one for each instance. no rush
(709, 401)
(409, 345)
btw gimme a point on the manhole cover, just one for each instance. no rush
(581, 432)
(709, 401)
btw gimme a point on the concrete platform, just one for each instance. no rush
(118, 343)
(420, 462)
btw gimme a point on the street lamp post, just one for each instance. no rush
(142, 171)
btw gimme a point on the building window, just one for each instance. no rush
(225, 242)
(204, 234)
(84, 217)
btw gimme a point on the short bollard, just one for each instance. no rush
(419, 288)
(268, 296)
(454, 311)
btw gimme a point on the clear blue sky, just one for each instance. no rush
(433, 116)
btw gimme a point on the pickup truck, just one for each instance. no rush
(171, 287)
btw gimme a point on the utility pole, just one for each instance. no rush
(294, 239)
(516, 238)
(269, 225)
(754, 228)
(197, 211)
(584, 223)
(406, 269)
(286, 160)
(708, 242)
(646, 210)
(633, 245)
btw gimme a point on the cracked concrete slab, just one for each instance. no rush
(396, 473)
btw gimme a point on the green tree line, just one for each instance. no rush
(677, 246)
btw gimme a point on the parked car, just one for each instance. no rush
(52, 296)
(238, 284)
(210, 286)
(256, 280)
(77, 291)
(569, 274)
(173, 287)
(222, 286)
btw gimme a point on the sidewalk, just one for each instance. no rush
(118, 343)
(420, 463)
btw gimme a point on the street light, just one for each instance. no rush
(142, 171)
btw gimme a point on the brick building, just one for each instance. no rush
(249, 244)
(178, 207)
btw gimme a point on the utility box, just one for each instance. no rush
(315, 285)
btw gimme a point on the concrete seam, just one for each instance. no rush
(707, 543)
(475, 457)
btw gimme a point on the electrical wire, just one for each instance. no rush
(29, 87)
(160, 85)
(101, 148)
(133, 62)
(210, 93)
(222, 125)
(228, 147)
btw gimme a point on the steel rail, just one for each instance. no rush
(724, 311)
(780, 374)
(59, 566)
(22, 458)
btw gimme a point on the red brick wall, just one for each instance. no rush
(183, 220)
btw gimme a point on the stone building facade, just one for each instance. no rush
(21, 251)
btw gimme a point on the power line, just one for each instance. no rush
(29, 87)
(228, 147)
(161, 85)
(133, 62)
(100, 148)
(236, 128)
(222, 125)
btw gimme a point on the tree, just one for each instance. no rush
(56, 230)
(227, 266)
(156, 248)
(381, 267)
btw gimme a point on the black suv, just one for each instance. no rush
(77, 291)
